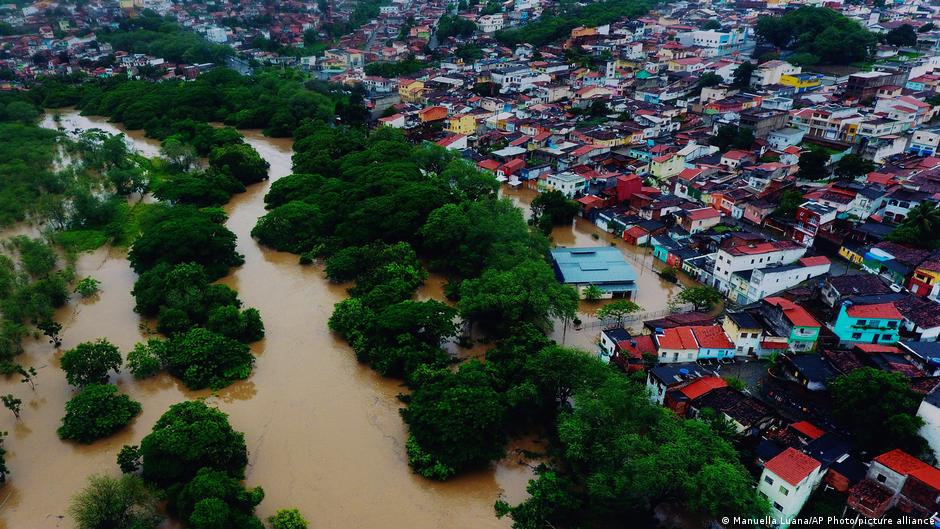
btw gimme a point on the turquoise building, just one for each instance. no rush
(867, 323)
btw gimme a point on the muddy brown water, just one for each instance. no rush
(652, 292)
(323, 431)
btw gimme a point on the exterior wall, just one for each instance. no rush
(461, 125)
(715, 353)
(656, 389)
(725, 263)
(803, 338)
(885, 476)
(865, 330)
(746, 341)
(786, 500)
(923, 281)
(669, 356)
(931, 428)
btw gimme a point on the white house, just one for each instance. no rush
(783, 138)
(924, 142)
(752, 256)
(570, 184)
(929, 411)
(759, 283)
(787, 481)
(491, 23)
(770, 72)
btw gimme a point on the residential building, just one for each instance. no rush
(897, 479)
(745, 331)
(810, 217)
(570, 184)
(787, 481)
(787, 319)
(859, 322)
(752, 256)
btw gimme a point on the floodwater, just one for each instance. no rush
(652, 291)
(323, 431)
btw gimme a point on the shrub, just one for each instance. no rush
(95, 412)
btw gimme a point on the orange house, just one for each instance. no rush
(432, 114)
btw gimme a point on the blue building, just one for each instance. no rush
(601, 266)
(867, 323)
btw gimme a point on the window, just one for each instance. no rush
(861, 323)
(882, 478)
(894, 324)
(755, 335)
(887, 337)
(778, 506)
(785, 491)
(856, 335)
(769, 480)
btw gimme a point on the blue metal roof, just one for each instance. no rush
(601, 265)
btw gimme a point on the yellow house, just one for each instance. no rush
(850, 254)
(411, 91)
(801, 82)
(744, 331)
(666, 166)
(925, 277)
(850, 132)
(463, 124)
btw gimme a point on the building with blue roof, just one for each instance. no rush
(601, 266)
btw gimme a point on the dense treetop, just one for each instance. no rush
(826, 35)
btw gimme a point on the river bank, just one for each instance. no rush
(323, 431)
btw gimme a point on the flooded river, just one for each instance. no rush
(323, 431)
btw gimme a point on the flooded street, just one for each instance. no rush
(652, 293)
(323, 431)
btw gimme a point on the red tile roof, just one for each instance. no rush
(636, 231)
(873, 348)
(908, 465)
(796, 314)
(702, 386)
(761, 248)
(444, 142)
(712, 337)
(815, 261)
(677, 338)
(644, 344)
(703, 213)
(808, 429)
(792, 465)
(491, 165)
(878, 311)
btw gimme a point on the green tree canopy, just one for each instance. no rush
(455, 421)
(852, 166)
(921, 227)
(870, 396)
(185, 235)
(820, 31)
(97, 411)
(188, 437)
(703, 297)
(618, 310)
(903, 35)
(813, 165)
(240, 161)
(121, 503)
(553, 208)
(90, 362)
(526, 292)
